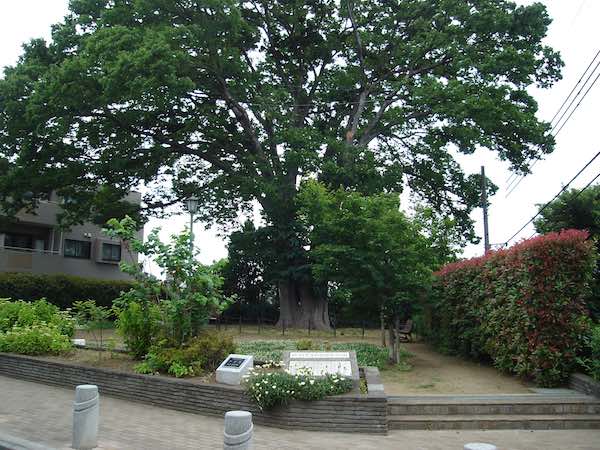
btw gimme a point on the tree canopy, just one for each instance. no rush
(572, 209)
(239, 102)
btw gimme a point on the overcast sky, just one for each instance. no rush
(574, 32)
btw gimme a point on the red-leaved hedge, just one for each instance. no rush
(523, 307)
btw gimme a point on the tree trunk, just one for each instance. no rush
(300, 304)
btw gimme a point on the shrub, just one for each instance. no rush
(272, 389)
(524, 308)
(203, 353)
(592, 363)
(24, 314)
(35, 339)
(304, 344)
(61, 290)
(188, 297)
(139, 325)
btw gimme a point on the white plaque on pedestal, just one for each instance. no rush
(320, 364)
(233, 368)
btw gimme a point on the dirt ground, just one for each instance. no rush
(433, 373)
(425, 372)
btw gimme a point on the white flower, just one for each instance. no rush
(302, 383)
(312, 382)
(335, 381)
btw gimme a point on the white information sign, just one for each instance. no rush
(321, 368)
(322, 363)
(319, 355)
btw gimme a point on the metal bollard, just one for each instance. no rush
(86, 415)
(238, 430)
(479, 446)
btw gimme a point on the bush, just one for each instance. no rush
(36, 339)
(60, 290)
(524, 308)
(25, 314)
(139, 325)
(592, 363)
(278, 388)
(200, 354)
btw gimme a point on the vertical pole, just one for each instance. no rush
(192, 234)
(309, 327)
(363, 329)
(484, 205)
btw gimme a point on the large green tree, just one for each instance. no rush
(366, 245)
(239, 101)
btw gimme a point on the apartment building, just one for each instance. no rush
(36, 244)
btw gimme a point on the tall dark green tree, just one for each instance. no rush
(239, 101)
(572, 209)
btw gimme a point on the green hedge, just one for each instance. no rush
(60, 290)
(523, 308)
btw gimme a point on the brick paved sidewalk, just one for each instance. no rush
(42, 414)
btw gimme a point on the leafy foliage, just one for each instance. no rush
(37, 328)
(60, 290)
(523, 307)
(25, 314)
(594, 361)
(92, 318)
(278, 388)
(180, 306)
(235, 102)
(201, 354)
(578, 210)
(367, 246)
(36, 339)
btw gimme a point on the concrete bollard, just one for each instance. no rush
(479, 446)
(238, 430)
(86, 415)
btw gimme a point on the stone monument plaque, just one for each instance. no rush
(320, 364)
(233, 368)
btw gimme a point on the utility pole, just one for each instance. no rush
(484, 205)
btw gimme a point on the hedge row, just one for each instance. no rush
(60, 290)
(523, 308)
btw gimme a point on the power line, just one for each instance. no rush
(518, 179)
(579, 193)
(577, 106)
(575, 87)
(554, 198)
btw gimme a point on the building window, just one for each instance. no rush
(111, 252)
(77, 249)
(16, 240)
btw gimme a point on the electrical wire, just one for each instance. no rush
(579, 193)
(565, 187)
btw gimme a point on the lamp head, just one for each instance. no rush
(191, 204)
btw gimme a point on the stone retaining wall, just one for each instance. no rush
(349, 413)
(585, 384)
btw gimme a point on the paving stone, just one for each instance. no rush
(126, 425)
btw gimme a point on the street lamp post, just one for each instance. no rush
(191, 204)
